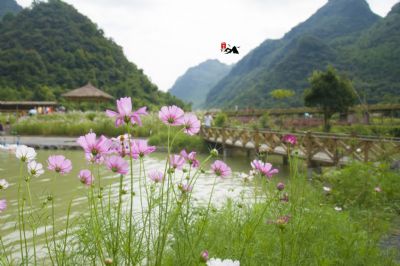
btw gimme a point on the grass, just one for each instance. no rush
(77, 124)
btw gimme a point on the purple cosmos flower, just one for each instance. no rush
(93, 147)
(190, 158)
(171, 115)
(220, 168)
(35, 169)
(125, 114)
(3, 184)
(86, 177)
(156, 176)
(59, 164)
(117, 165)
(176, 161)
(204, 256)
(3, 205)
(264, 168)
(191, 124)
(290, 139)
(140, 148)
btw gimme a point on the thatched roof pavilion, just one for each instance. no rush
(88, 93)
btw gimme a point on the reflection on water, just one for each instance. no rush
(68, 189)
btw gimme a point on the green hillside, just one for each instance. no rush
(52, 48)
(9, 6)
(194, 85)
(343, 33)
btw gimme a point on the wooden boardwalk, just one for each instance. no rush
(316, 148)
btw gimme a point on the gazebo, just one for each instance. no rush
(88, 93)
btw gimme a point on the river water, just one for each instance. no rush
(68, 189)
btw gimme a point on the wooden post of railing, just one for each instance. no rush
(308, 148)
(335, 152)
(367, 146)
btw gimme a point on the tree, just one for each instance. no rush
(329, 92)
(280, 94)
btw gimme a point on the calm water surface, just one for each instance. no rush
(68, 189)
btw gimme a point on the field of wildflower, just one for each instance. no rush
(328, 221)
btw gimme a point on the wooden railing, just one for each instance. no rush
(326, 148)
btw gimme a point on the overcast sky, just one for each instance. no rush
(166, 37)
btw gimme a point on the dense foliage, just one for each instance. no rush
(193, 86)
(9, 6)
(330, 93)
(343, 33)
(52, 48)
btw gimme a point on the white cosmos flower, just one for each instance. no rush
(219, 262)
(35, 169)
(327, 189)
(339, 209)
(3, 184)
(25, 153)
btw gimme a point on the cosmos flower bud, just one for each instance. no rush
(280, 186)
(214, 152)
(108, 261)
(204, 256)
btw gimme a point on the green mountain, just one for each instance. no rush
(343, 33)
(9, 6)
(52, 48)
(194, 85)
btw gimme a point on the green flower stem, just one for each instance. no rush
(66, 233)
(115, 257)
(34, 227)
(161, 208)
(131, 196)
(245, 243)
(24, 232)
(20, 220)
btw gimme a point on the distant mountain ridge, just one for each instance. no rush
(334, 35)
(194, 85)
(52, 48)
(9, 6)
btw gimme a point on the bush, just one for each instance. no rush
(181, 141)
(221, 120)
(358, 185)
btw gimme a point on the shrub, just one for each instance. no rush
(221, 120)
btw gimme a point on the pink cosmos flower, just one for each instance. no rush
(264, 168)
(59, 164)
(190, 158)
(86, 177)
(220, 168)
(3, 205)
(171, 115)
(117, 165)
(93, 147)
(191, 124)
(377, 189)
(176, 161)
(156, 176)
(140, 148)
(125, 114)
(290, 139)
